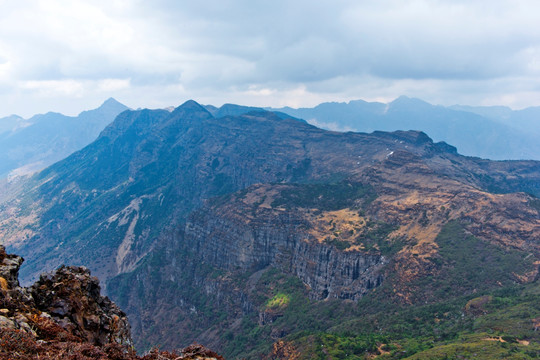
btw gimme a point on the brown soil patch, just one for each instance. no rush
(345, 224)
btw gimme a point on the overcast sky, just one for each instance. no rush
(68, 56)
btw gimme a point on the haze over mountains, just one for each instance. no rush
(253, 231)
(29, 145)
(498, 133)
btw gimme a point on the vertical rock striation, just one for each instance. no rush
(230, 244)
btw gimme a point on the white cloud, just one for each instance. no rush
(5, 69)
(107, 85)
(54, 88)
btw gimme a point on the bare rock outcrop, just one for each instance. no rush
(72, 297)
(9, 269)
(64, 316)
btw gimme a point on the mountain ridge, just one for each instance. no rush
(251, 221)
(470, 129)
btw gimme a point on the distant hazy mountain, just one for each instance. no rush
(490, 132)
(230, 110)
(237, 110)
(527, 120)
(11, 123)
(33, 144)
(499, 113)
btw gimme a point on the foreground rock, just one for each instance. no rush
(63, 316)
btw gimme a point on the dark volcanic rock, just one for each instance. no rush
(9, 269)
(72, 297)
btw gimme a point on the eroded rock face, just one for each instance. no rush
(72, 297)
(330, 272)
(229, 243)
(9, 269)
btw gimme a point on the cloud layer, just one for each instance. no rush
(70, 55)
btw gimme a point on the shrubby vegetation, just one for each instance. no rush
(467, 316)
(325, 196)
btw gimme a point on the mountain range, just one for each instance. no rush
(497, 132)
(29, 145)
(262, 236)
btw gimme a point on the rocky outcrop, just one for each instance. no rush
(9, 269)
(62, 306)
(72, 297)
(64, 316)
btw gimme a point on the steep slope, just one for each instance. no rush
(474, 132)
(224, 230)
(149, 169)
(40, 141)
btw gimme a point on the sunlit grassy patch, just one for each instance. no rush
(280, 300)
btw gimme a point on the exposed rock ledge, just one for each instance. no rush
(63, 316)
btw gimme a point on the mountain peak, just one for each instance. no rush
(112, 103)
(190, 107)
(408, 100)
(414, 105)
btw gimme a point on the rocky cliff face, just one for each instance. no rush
(341, 241)
(340, 247)
(282, 241)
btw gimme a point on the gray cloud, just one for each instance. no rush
(266, 53)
